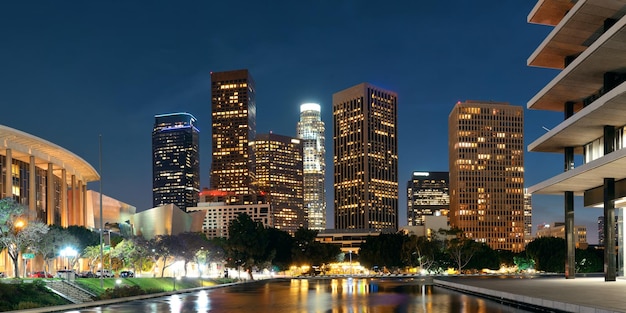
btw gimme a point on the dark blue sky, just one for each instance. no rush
(72, 70)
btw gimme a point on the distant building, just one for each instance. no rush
(233, 113)
(165, 220)
(486, 148)
(175, 160)
(601, 230)
(558, 230)
(280, 179)
(216, 216)
(430, 227)
(349, 240)
(365, 158)
(311, 132)
(528, 218)
(113, 211)
(427, 195)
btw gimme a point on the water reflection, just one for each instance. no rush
(342, 295)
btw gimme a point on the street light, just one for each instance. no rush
(68, 252)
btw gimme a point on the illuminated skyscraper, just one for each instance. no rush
(486, 147)
(528, 217)
(233, 112)
(279, 175)
(366, 158)
(311, 132)
(428, 194)
(175, 160)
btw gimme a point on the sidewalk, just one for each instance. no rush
(582, 294)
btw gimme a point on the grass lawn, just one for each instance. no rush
(150, 285)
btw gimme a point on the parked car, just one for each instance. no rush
(127, 274)
(104, 273)
(86, 275)
(40, 274)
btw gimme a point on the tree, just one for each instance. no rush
(459, 248)
(192, 244)
(589, 260)
(17, 231)
(167, 247)
(57, 239)
(549, 254)
(279, 250)
(92, 254)
(484, 257)
(247, 243)
(383, 250)
(421, 252)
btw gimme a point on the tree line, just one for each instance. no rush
(252, 246)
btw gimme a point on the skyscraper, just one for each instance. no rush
(175, 160)
(279, 175)
(311, 132)
(365, 137)
(486, 147)
(233, 112)
(428, 194)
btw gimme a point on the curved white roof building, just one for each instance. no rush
(50, 180)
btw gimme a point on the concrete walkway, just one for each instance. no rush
(582, 294)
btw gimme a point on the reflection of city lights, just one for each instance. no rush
(175, 303)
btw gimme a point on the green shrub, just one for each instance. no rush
(27, 305)
(120, 292)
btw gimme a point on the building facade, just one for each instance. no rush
(218, 215)
(427, 195)
(486, 147)
(175, 160)
(280, 179)
(365, 158)
(310, 131)
(528, 217)
(233, 113)
(558, 230)
(587, 45)
(48, 179)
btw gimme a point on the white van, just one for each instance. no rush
(105, 273)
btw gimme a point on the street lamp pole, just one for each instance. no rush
(350, 262)
(101, 216)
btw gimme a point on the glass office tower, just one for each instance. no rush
(175, 160)
(365, 136)
(279, 174)
(311, 132)
(233, 113)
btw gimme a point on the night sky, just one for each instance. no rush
(73, 70)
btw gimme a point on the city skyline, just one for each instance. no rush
(90, 69)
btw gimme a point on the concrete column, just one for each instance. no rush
(609, 139)
(610, 254)
(32, 187)
(73, 204)
(570, 242)
(64, 211)
(78, 204)
(568, 109)
(8, 180)
(83, 202)
(50, 195)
